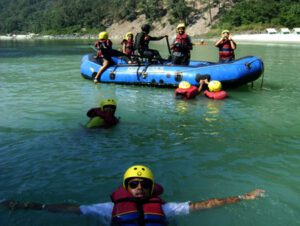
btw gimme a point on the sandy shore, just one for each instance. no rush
(273, 38)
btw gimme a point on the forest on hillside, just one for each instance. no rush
(89, 16)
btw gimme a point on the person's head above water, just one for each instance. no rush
(139, 181)
(108, 105)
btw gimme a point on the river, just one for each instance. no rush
(197, 149)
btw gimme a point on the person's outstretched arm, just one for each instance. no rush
(65, 208)
(211, 203)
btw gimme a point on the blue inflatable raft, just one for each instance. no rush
(231, 75)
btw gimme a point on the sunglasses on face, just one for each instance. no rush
(109, 107)
(144, 184)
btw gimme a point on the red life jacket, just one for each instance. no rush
(129, 47)
(220, 95)
(108, 117)
(131, 211)
(182, 43)
(103, 45)
(225, 51)
(189, 93)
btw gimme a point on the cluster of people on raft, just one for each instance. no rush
(136, 202)
(181, 46)
(137, 47)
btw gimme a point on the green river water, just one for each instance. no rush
(197, 149)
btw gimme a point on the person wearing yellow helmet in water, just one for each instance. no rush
(181, 46)
(212, 86)
(103, 116)
(212, 89)
(226, 47)
(136, 202)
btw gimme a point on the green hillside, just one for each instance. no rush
(90, 16)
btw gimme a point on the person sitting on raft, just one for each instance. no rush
(128, 44)
(141, 44)
(136, 202)
(104, 54)
(103, 116)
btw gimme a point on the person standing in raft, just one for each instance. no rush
(181, 46)
(226, 47)
(141, 44)
(128, 44)
(137, 202)
(104, 54)
(104, 116)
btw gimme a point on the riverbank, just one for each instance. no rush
(274, 38)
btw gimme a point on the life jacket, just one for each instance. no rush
(225, 51)
(129, 46)
(141, 42)
(182, 43)
(103, 46)
(100, 118)
(220, 95)
(188, 93)
(130, 211)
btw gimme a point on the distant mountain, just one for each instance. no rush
(90, 16)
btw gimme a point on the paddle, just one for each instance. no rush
(167, 39)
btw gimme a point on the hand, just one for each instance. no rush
(257, 193)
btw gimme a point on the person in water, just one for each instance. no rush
(212, 89)
(104, 54)
(128, 44)
(181, 46)
(141, 44)
(136, 202)
(226, 47)
(103, 116)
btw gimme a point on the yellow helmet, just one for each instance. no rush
(138, 171)
(180, 25)
(106, 102)
(103, 35)
(128, 34)
(214, 86)
(184, 85)
(225, 31)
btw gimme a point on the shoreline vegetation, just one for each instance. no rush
(65, 19)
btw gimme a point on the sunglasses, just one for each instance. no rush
(144, 184)
(109, 107)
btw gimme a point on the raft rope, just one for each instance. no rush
(248, 65)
